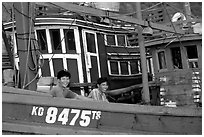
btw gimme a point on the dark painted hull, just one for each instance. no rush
(29, 112)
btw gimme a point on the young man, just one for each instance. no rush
(101, 91)
(62, 88)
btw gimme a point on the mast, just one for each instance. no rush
(24, 16)
(187, 10)
(145, 90)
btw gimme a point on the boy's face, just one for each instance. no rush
(103, 86)
(64, 81)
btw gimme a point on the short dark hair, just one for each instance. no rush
(101, 80)
(63, 73)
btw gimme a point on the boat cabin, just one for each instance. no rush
(89, 49)
(177, 65)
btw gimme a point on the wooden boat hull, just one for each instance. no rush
(29, 112)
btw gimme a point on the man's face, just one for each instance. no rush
(103, 86)
(64, 81)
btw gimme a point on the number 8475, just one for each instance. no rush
(85, 116)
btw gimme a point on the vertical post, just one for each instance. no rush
(187, 10)
(25, 34)
(145, 92)
(138, 10)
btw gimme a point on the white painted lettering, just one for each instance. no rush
(40, 111)
(34, 110)
(94, 114)
(98, 115)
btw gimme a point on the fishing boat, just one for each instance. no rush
(91, 43)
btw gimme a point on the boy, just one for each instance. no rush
(101, 91)
(62, 90)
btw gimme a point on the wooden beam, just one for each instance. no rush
(97, 12)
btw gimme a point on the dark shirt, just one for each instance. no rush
(62, 92)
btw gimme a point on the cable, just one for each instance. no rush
(6, 9)
(178, 9)
(29, 44)
(23, 14)
(61, 41)
(129, 14)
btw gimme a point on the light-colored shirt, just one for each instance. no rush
(58, 91)
(98, 95)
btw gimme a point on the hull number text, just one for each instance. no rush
(52, 115)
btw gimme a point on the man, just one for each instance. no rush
(62, 88)
(101, 91)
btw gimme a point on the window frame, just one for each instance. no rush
(158, 64)
(192, 60)
(116, 40)
(130, 72)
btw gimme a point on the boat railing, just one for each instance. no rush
(45, 84)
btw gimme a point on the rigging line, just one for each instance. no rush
(6, 8)
(107, 41)
(36, 76)
(29, 44)
(13, 32)
(32, 57)
(63, 38)
(23, 14)
(178, 9)
(100, 34)
(180, 42)
(129, 14)
(60, 42)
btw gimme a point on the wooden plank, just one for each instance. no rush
(15, 91)
(96, 105)
(97, 12)
(156, 42)
(22, 128)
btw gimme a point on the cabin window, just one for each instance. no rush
(42, 40)
(57, 65)
(91, 45)
(60, 44)
(176, 58)
(132, 40)
(124, 68)
(192, 56)
(121, 67)
(69, 40)
(45, 68)
(134, 66)
(161, 60)
(116, 40)
(111, 40)
(72, 67)
(121, 40)
(114, 67)
(55, 40)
